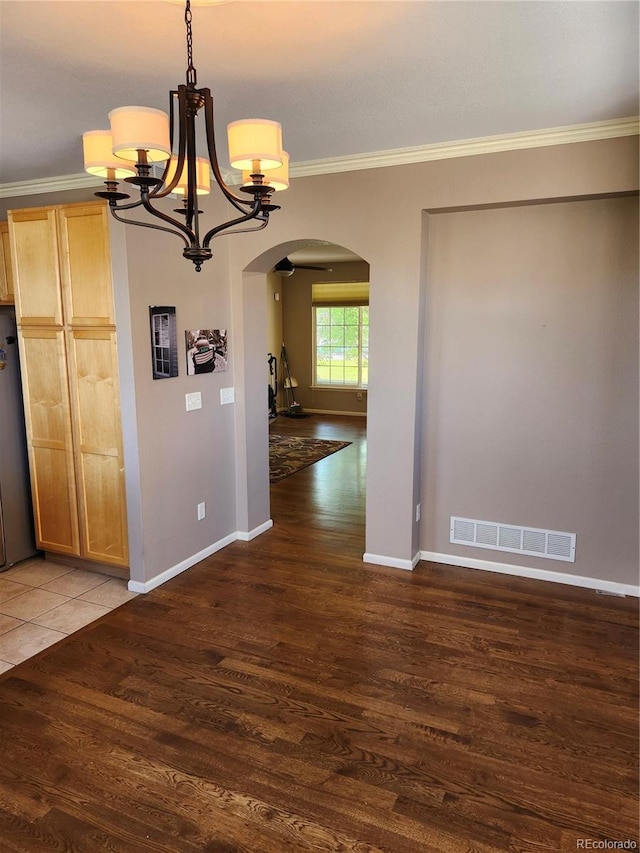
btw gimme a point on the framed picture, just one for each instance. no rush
(164, 341)
(206, 351)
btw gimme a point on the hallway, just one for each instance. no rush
(328, 497)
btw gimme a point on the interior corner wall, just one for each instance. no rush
(249, 309)
(420, 385)
(531, 380)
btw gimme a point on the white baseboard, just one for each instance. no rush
(536, 574)
(163, 577)
(392, 562)
(336, 412)
(247, 537)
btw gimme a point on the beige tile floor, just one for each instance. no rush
(42, 602)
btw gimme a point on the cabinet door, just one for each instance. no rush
(34, 249)
(49, 439)
(85, 260)
(93, 380)
(6, 273)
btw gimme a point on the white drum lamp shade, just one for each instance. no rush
(277, 178)
(99, 160)
(140, 129)
(255, 140)
(203, 176)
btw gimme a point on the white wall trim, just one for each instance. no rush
(261, 528)
(468, 147)
(590, 132)
(163, 577)
(392, 562)
(536, 574)
(51, 185)
(336, 412)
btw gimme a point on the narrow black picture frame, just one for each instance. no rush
(164, 341)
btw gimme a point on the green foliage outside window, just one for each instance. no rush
(342, 345)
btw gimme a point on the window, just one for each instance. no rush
(341, 345)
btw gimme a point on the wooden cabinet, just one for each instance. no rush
(6, 273)
(51, 462)
(66, 323)
(85, 261)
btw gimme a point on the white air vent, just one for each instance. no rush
(517, 540)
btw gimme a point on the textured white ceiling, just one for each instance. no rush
(343, 77)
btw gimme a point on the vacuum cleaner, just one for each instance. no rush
(272, 361)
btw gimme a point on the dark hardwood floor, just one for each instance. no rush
(282, 696)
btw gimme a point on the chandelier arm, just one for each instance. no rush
(187, 232)
(238, 202)
(130, 206)
(252, 214)
(147, 224)
(263, 224)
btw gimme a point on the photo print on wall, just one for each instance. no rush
(164, 341)
(206, 351)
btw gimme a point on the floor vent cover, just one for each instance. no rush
(516, 540)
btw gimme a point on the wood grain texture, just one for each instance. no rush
(95, 403)
(35, 262)
(85, 259)
(49, 439)
(282, 696)
(61, 256)
(6, 273)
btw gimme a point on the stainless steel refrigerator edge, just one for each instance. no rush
(16, 518)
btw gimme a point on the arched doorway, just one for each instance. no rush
(279, 309)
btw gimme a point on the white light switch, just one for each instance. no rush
(227, 395)
(193, 401)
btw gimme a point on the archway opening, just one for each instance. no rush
(317, 312)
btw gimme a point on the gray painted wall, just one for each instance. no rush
(219, 454)
(391, 236)
(531, 379)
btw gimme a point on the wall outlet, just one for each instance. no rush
(358, 395)
(227, 395)
(417, 512)
(201, 511)
(193, 401)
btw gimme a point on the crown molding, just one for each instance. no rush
(50, 185)
(470, 147)
(396, 157)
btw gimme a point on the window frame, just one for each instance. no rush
(339, 386)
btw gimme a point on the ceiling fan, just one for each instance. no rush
(285, 267)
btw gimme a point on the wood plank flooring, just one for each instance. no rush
(281, 697)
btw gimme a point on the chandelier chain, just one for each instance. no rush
(191, 71)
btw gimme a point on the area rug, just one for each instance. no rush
(291, 453)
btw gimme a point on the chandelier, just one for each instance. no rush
(141, 136)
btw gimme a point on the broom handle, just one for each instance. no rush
(289, 388)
